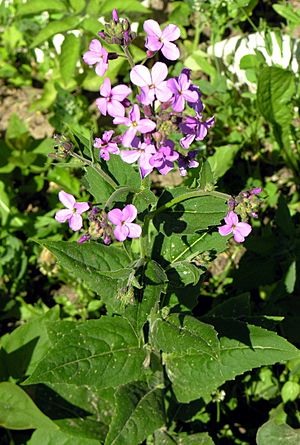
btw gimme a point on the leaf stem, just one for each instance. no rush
(104, 176)
(128, 56)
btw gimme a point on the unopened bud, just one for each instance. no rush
(150, 53)
(102, 34)
(84, 238)
(115, 15)
(112, 56)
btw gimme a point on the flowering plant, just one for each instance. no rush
(144, 252)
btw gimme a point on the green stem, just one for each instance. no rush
(115, 194)
(104, 176)
(128, 55)
(197, 35)
(144, 240)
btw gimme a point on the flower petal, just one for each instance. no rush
(129, 213)
(115, 216)
(75, 222)
(130, 156)
(152, 28)
(81, 207)
(163, 93)
(225, 230)
(145, 126)
(244, 228)
(128, 136)
(120, 92)
(170, 51)
(115, 108)
(105, 88)
(121, 232)
(135, 230)
(231, 218)
(101, 68)
(66, 199)
(171, 32)
(63, 215)
(159, 72)
(95, 46)
(101, 103)
(190, 96)
(140, 76)
(90, 57)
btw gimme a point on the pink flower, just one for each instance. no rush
(122, 219)
(106, 146)
(73, 211)
(111, 102)
(180, 87)
(161, 40)
(152, 82)
(97, 55)
(239, 229)
(164, 159)
(135, 124)
(194, 128)
(142, 153)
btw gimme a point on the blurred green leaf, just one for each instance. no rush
(70, 52)
(58, 26)
(286, 11)
(36, 6)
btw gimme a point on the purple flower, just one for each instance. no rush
(180, 87)
(239, 229)
(106, 146)
(164, 159)
(157, 39)
(122, 219)
(115, 15)
(135, 124)
(73, 211)
(142, 153)
(152, 82)
(185, 162)
(97, 55)
(195, 129)
(111, 102)
(255, 191)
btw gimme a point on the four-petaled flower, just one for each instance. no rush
(73, 211)
(142, 153)
(194, 128)
(135, 124)
(97, 55)
(180, 87)
(122, 219)
(239, 229)
(164, 159)
(152, 82)
(106, 146)
(111, 102)
(161, 40)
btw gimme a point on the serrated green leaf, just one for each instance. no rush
(59, 26)
(188, 247)
(70, 52)
(96, 185)
(106, 352)
(206, 179)
(189, 215)
(197, 352)
(102, 268)
(46, 437)
(36, 6)
(276, 87)
(183, 273)
(138, 413)
(123, 173)
(164, 438)
(80, 410)
(18, 412)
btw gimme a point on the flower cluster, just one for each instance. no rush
(246, 205)
(100, 222)
(154, 108)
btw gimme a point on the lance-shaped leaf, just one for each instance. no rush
(198, 363)
(105, 352)
(18, 411)
(138, 413)
(182, 212)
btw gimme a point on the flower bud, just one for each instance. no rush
(150, 53)
(115, 15)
